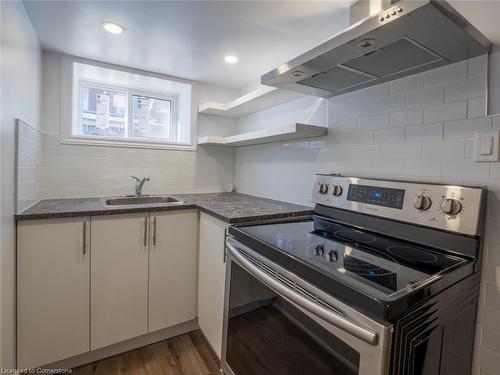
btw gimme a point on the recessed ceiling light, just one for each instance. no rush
(112, 27)
(231, 59)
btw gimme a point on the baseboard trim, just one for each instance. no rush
(125, 346)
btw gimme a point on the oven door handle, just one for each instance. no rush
(337, 320)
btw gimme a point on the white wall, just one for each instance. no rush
(416, 128)
(91, 171)
(20, 92)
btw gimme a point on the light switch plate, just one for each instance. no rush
(486, 146)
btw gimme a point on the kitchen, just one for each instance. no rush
(170, 188)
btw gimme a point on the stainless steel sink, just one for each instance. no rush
(144, 199)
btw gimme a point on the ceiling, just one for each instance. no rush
(189, 39)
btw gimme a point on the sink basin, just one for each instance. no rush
(145, 199)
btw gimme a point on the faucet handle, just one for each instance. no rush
(135, 178)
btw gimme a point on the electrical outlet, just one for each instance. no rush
(486, 146)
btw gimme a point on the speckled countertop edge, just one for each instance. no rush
(232, 208)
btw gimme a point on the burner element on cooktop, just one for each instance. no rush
(362, 268)
(356, 236)
(412, 254)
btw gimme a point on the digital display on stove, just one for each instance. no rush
(380, 196)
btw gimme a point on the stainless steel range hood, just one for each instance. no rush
(403, 39)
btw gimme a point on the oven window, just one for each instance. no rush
(268, 335)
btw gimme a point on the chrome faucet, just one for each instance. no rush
(139, 184)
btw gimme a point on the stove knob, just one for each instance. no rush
(337, 190)
(332, 256)
(451, 206)
(323, 188)
(319, 250)
(422, 202)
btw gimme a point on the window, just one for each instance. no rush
(104, 112)
(113, 107)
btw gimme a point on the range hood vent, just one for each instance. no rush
(404, 39)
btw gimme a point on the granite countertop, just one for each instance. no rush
(229, 207)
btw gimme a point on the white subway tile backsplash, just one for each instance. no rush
(490, 275)
(86, 171)
(425, 96)
(405, 150)
(389, 103)
(493, 297)
(368, 152)
(444, 149)
(476, 107)
(360, 167)
(466, 128)
(421, 168)
(483, 371)
(406, 118)
(488, 359)
(389, 135)
(350, 137)
(446, 112)
(377, 91)
(493, 251)
(340, 111)
(353, 97)
(471, 88)
(425, 132)
(387, 167)
(496, 122)
(408, 83)
(488, 316)
(465, 168)
(447, 74)
(478, 66)
(375, 122)
(28, 155)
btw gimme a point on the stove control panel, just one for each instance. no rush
(448, 207)
(380, 196)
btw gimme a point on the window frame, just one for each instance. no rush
(129, 123)
(71, 105)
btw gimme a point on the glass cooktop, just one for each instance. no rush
(383, 266)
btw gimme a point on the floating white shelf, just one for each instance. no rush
(257, 100)
(274, 134)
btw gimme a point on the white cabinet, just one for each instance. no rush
(211, 279)
(172, 268)
(86, 283)
(119, 278)
(53, 268)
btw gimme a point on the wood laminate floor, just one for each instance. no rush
(187, 354)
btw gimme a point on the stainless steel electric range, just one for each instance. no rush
(383, 280)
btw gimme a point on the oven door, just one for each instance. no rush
(276, 323)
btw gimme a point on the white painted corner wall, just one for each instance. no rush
(416, 128)
(20, 92)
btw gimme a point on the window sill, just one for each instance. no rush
(113, 142)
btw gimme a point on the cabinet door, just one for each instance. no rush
(53, 271)
(119, 278)
(211, 279)
(172, 268)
